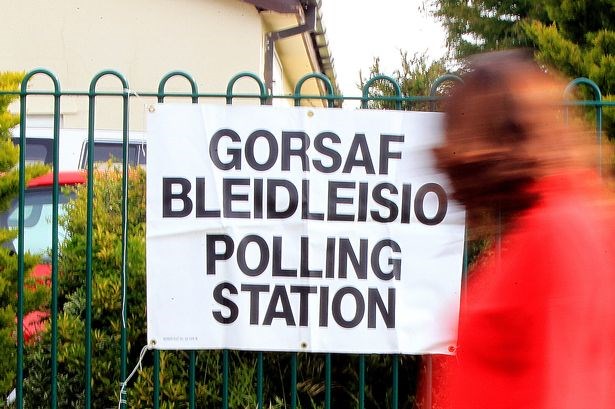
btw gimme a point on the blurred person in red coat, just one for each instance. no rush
(537, 327)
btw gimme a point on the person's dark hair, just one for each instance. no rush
(504, 129)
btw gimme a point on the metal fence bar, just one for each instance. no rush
(156, 378)
(20, 242)
(329, 96)
(384, 78)
(259, 379)
(597, 98)
(361, 381)
(89, 233)
(395, 384)
(293, 380)
(163, 82)
(231, 84)
(328, 381)
(192, 380)
(263, 98)
(400, 98)
(124, 278)
(54, 243)
(54, 239)
(192, 358)
(225, 378)
(88, 247)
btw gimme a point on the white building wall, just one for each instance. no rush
(143, 39)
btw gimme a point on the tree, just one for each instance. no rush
(580, 42)
(415, 78)
(577, 37)
(484, 25)
(36, 297)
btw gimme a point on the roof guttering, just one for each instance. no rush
(312, 25)
(279, 6)
(270, 38)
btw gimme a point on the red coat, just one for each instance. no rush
(538, 327)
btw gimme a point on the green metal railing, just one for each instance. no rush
(329, 99)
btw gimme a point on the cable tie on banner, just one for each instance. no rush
(127, 91)
(134, 370)
(146, 106)
(130, 92)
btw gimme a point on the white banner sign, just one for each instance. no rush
(299, 229)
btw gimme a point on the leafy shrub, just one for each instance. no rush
(37, 295)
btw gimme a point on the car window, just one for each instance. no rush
(38, 150)
(105, 151)
(37, 218)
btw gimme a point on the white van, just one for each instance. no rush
(73, 147)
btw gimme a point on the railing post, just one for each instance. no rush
(21, 227)
(264, 98)
(394, 84)
(89, 233)
(597, 97)
(330, 96)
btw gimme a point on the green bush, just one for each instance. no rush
(37, 295)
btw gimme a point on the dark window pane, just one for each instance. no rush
(38, 150)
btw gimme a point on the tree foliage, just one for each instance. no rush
(474, 26)
(577, 37)
(415, 78)
(36, 296)
(9, 153)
